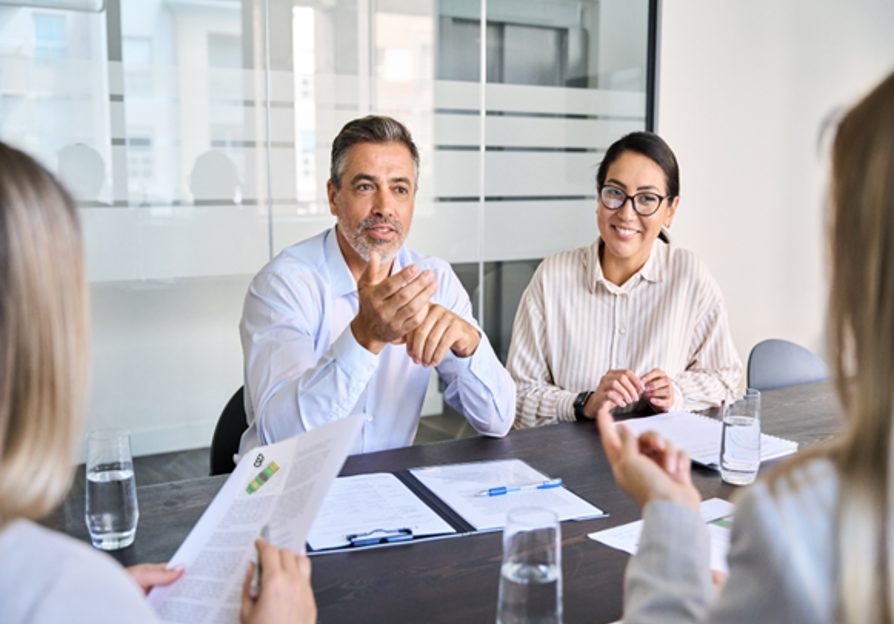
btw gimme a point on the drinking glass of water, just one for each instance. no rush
(740, 452)
(531, 575)
(111, 512)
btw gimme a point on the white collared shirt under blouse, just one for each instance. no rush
(304, 368)
(573, 326)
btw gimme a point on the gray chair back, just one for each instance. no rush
(779, 363)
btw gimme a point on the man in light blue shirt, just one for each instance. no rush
(350, 321)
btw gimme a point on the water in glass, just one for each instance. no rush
(740, 452)
(529, 594)
(112, 511)
(531, 574)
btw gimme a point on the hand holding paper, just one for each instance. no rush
(282, 485)
(285, 595)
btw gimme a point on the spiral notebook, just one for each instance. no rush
(700, 436)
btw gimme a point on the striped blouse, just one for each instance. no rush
(573, 326)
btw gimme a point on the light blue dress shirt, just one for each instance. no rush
(303, 367)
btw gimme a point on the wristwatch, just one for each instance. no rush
(579, 403)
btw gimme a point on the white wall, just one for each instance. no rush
(744, 88)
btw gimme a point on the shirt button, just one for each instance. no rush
(370, 369)
(622, 331)
(369, 418)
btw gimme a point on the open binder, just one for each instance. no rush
(435, 502)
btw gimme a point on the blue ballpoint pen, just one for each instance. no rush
(505, 489)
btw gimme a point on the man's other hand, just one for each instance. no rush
(439, 331)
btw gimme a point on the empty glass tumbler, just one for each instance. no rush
(531, 574)
(111, 511)
(740, 451)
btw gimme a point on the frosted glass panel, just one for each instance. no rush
(565, 101)
(163, 355)
(457, 174)
(559, 100)
(447, 230)
(457, 130)
(457, 95)
(197, 149)
(557, 132)
(154, 117)
(170, 242)
(537, 229)
(533, 174)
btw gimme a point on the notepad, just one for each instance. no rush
(700, 436)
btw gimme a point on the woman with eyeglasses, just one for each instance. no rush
(814, 542)
(630, 321)
(45, 576)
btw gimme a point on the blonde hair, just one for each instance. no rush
(861, 317)
(861, 348)
(43, 337)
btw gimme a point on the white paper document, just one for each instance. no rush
(700, 436)
(458, 486)
(372, 502)
(717, 514)
(282, 486)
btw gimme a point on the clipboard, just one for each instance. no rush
(356, 515)
(346, 523)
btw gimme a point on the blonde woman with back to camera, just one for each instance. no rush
(813, 542)
(44, 576)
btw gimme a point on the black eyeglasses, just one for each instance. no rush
(646, 204)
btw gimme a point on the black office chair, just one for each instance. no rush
(227, 434)
(779, 363)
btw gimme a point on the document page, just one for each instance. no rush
(458, 485)
(365, 503)
(281, 485)
(717, 514)
(700, 436)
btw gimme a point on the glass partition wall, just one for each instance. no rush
(195, 136)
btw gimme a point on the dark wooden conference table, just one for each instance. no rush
(456, 579)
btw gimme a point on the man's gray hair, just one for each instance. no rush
(369, 129)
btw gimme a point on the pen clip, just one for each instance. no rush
(380, 536)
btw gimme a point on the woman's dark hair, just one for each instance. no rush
(650, 145)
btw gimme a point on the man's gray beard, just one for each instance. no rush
(365, 247)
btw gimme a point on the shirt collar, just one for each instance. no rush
(341, 280)
(654, 270)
